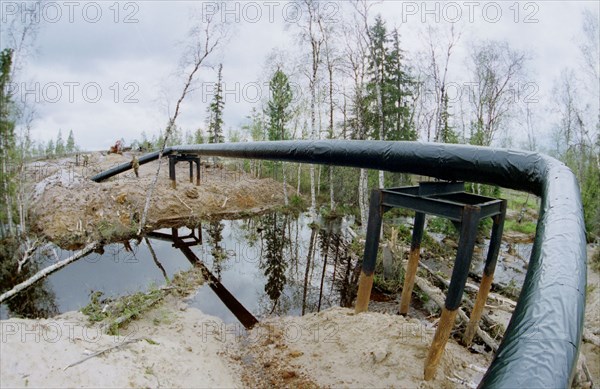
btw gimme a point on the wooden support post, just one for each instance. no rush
(372, 243)
(488, 275)
(484, 290)
(413, 262)
(191, 172)
(439, 342)
(468, 234)
(365, 283)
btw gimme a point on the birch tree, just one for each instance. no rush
(331, 63)
(374, 39)
(18, 33)
(204, 41)
(440, 50)
(496, 69)
(354, 65)
(312, 34)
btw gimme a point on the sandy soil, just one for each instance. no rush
(337, 348)
(169, 348)
(590, 351)
(82, 210)
(177, 346)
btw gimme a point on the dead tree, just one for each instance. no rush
(204, 41)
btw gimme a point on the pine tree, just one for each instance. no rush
(387, 115)
(215, 125)
(448, 135)
(378, 53)
(397, 88)
(70, 147)
(388, 87)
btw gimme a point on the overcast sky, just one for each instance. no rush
(109, 69)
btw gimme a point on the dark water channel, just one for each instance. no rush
(262, 261)
(265, 262)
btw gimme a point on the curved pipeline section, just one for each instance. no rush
(541, 343)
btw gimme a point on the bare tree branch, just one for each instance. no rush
(205, 41)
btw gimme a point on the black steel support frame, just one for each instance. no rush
(191, 158)
(551, 307)
(431, 198)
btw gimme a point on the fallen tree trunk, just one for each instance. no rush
(436, 295)
(502, 299)
(590, 337)
(47, 271)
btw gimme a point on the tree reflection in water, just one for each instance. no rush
(215, 234)
(34, 302)
(274, 264)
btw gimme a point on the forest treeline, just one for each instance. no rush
(351, 78)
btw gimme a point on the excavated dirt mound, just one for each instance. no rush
(70, 209)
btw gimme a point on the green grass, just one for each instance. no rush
(595, 260)
(523, 227)
(117, 313)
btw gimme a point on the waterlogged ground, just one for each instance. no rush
(238, 252)
(264, 262)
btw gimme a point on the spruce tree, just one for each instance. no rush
(50, 148)
(215, 125)
(278, 107)
(70, 147)
(279, 113)
(59, 148)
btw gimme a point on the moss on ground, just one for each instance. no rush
(114, 314)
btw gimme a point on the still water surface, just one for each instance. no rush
(244, 250)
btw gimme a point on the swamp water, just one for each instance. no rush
(262, 261)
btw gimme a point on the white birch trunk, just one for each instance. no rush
(331, 200)
(285, 194)
(48, 270)
(363, 200)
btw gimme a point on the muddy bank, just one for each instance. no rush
(69, 209)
